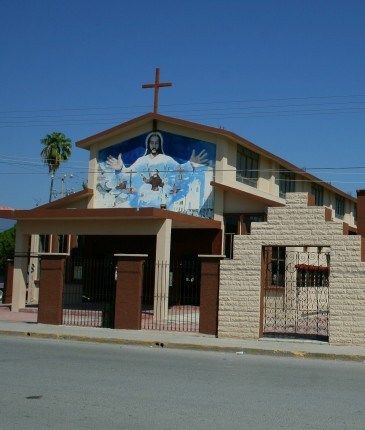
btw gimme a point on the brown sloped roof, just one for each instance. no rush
(64, 201)
(110, 213)
(87, 142)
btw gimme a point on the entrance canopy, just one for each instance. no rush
(144, 216)
(73, 211)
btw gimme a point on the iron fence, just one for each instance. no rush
(89, 292)
(171, 295)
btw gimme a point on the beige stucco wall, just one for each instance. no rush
(296, 224)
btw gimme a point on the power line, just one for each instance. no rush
(209, 117)
(235, 108)
(64, 165)
(319, 181)
(127, 172)
(52, 109)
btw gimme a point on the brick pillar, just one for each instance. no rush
(209, 293)
(361, 220)
(8, 282)
(128, 294)
(51, 289)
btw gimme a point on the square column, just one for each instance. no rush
(20, 270)
(162, 272)
(209, 293)
(8, 284)
(34, 270)
(51, 288)
(128, 293)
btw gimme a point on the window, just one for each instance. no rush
(250, 218)
(286, 182)
(278, 254)
(339, 207)
(317, 191)
(312, 276)
(231, 227)
(231, 223)
(63, 243)
(247, 166)
(44, 243)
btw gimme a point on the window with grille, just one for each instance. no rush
(247, 166)
(286, 182)
(278, 256)
(317, 191)
(63, 243)
(312, 276)
(44, 243)
(339, 207)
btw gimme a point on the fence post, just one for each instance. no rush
(8, 282)
(51, 287)
(209, 293)
(128, 293)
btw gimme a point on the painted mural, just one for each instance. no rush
(158, 169)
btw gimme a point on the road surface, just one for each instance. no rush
(48, 384)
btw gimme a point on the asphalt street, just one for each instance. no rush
(48, 384)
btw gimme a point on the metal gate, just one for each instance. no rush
(295, 292)
(89, 292)
(171, 295)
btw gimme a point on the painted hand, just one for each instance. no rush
(116, 164)
(201, 158)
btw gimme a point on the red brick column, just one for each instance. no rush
(128, 294)
(8, 282)
(51, 289)
(209, 293)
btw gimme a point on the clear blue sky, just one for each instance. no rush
(270, 71)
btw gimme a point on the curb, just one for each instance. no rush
(187, 346)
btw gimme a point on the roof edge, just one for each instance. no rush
(74, 197)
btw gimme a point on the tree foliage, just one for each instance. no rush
(7, 246)
(57, 148)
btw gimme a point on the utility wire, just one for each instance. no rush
(330, 169)
(41, 163)
(318, 181)
(186, 103)
(203, 109)
(250, 115)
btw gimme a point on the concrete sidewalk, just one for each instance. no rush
(11, 324)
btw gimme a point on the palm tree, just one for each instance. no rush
(57, 148)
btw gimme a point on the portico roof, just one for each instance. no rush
(179, 220)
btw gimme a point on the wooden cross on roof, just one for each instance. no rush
(157, 85)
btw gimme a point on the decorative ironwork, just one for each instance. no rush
(296, 292)
(89, 292)
(171, 296)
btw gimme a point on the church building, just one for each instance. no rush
(169, 191)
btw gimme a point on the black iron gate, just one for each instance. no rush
(171, 295)
(295, 292)
(89, 292)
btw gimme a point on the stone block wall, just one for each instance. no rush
(296, 224)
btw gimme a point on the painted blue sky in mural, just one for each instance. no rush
(158, 169)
